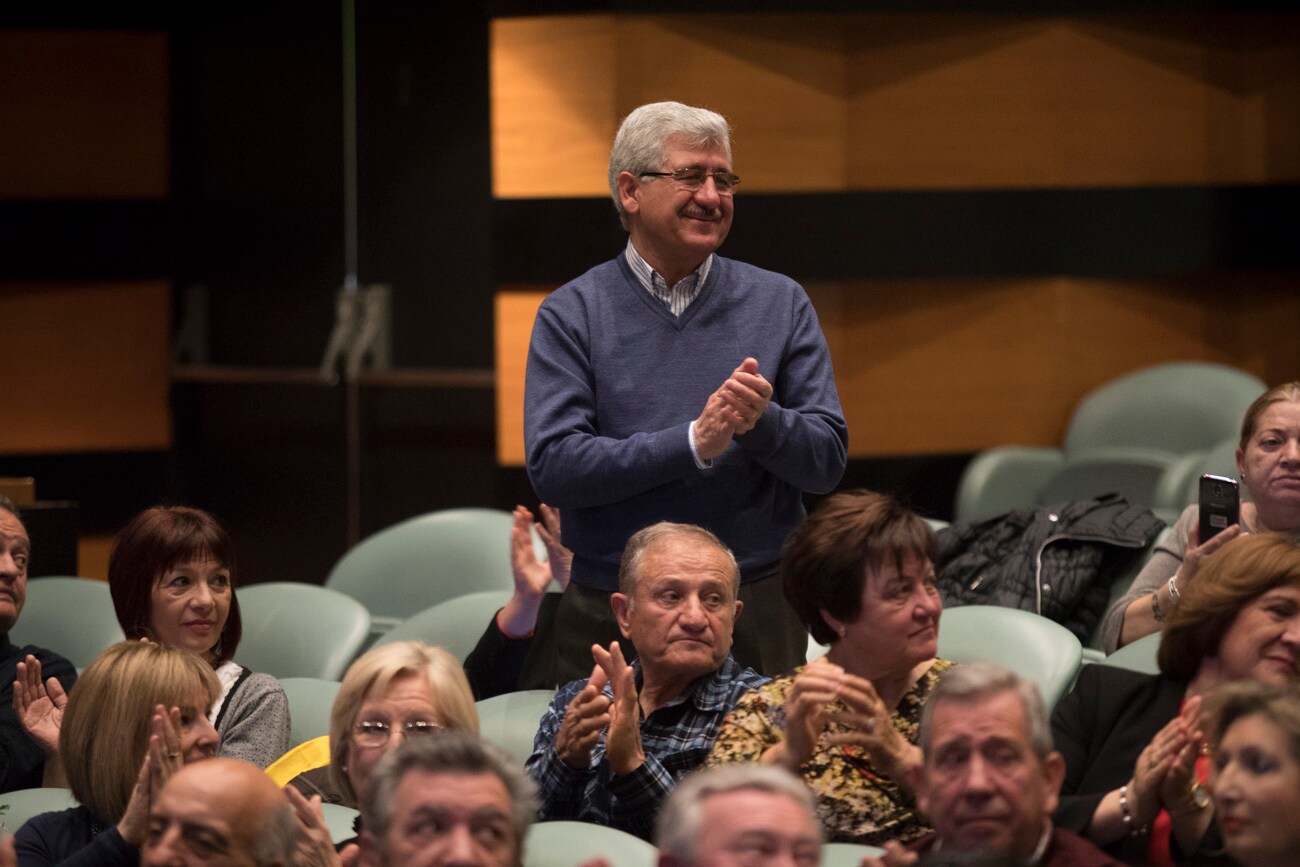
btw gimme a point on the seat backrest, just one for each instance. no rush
(564, 843)
(1139, 655)
(73, 617)
(1179, 407)
(310, 702)
(1030, 645)
(402, 570)
(848, 854)
(300, 630)
(1136, 473)
(25, 803)
(510, 720)
(1221, 460)
(454, 624)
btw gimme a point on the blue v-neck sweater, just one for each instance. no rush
(614, 381)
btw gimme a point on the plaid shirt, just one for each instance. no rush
(675, 739)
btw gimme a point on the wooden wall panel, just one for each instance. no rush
(85, 114)
(86, 367)
(950, 366)
(515, 311)
(554, 108)
(778, 81)
(908, 101)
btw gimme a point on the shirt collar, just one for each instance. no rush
(654, 283)
(709, 692)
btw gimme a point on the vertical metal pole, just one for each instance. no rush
(350, 145)
(352, 396)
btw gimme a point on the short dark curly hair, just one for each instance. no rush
(826, 558)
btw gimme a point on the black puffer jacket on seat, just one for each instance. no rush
(1056, 560)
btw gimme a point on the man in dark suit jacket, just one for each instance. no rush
(22, 761)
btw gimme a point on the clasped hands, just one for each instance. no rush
(866, 719)
(733, 409)
(1166, 769)
(592, 713)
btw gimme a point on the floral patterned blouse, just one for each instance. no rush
(855, 802)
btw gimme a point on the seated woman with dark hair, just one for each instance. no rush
(1255, 729)
(172, 577)
(1136, 759)
(138, 713)
(860, 573)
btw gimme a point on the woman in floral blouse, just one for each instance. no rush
(860, 573)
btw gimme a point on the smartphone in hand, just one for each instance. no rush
(1219, 505)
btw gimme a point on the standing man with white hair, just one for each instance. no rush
(671, 384)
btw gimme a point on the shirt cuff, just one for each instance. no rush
(700, 462)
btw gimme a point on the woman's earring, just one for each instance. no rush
(840, 631)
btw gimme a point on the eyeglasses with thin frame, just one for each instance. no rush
(374, 733)
(693, 177)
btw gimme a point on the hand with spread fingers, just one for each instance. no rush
(314, 846)
(39, 705)
(163, 759)
(805, 715)
(623, 743)
(558, 557)
(872, 729)
(584, 719)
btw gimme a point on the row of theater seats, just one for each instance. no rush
(1148, 435)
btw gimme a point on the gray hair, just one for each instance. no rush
(677, 827)
(277, 838)
(629, 568)
(975, 681)
(8, 505)
(639, 143)
(448, 752)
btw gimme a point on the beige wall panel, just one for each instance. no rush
(515, 311)
(1010, 102)
(87, 367)
(946, 366)
(554, 114)
(85, 114)
(825, 103)
(779, 80)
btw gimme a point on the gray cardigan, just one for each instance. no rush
(252, 716)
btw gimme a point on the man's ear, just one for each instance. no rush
(916, 776)
(627, 187)
(622, 606)
(1054, 771)
(740, 606)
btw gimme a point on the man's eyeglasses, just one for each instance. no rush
(376, 734)
(694, 177)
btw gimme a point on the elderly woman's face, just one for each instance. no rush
(1270, 462)
(1257, 792)
(384, 720)
(898, 626)
(1263, 642)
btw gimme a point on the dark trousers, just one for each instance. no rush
(768, 636)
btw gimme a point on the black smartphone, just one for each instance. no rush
(1219, 505)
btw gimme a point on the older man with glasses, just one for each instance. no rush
(672, 384)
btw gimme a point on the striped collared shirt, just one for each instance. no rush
(679, 297)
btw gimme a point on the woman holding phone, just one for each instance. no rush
(1268, 462)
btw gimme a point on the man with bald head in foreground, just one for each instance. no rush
(220, 812)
